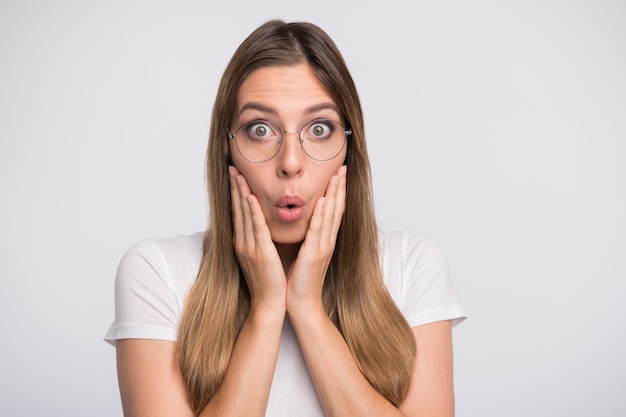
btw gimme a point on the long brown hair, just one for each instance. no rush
(354, 295)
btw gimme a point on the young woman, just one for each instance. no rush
(292, 303)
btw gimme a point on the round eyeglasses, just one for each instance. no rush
(260, 140)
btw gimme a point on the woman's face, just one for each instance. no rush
(289, 184)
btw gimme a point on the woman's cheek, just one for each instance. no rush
(256, 190)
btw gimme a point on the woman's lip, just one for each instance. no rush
(289, 208)
(289, 201)
(289, 214)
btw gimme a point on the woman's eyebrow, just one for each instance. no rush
(253, 105)
(322, 106)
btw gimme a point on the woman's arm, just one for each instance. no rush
(151, 384)
(344, 391)
(432, 388)
(342, 388)
(340, 385)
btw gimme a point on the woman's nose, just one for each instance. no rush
(290, 155)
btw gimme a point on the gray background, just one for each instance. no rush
(496, 128)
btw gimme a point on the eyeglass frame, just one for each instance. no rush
(347, 132)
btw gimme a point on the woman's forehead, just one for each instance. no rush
(284, 89)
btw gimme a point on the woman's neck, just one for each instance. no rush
(288, 253)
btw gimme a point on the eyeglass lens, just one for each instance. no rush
(260, 140)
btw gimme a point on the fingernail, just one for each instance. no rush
(343, 170)
(231, 170)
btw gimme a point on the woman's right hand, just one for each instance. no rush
(255, 250)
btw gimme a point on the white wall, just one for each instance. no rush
(496, 128)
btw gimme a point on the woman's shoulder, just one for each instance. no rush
(408, 243)
(170, 260)
(191, 241)
(151, 283)
(410, 258)
(417, 277)
(164, 249)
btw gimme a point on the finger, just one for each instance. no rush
(246, 214)
(241, 211)
(316, 223)
(236, 203)
(340, 200)
(336, 193)
(329, 211)
(259, 227)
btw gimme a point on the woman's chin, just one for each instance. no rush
(285, 241)
(288, 237)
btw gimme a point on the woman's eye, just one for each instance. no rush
(320, 129)
(259, 130)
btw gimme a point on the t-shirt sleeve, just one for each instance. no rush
(428, 295)
(146, 305)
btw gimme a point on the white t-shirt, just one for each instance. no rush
(154, 277)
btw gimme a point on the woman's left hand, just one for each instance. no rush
(305, 279)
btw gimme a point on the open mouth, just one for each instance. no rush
(289, 208)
